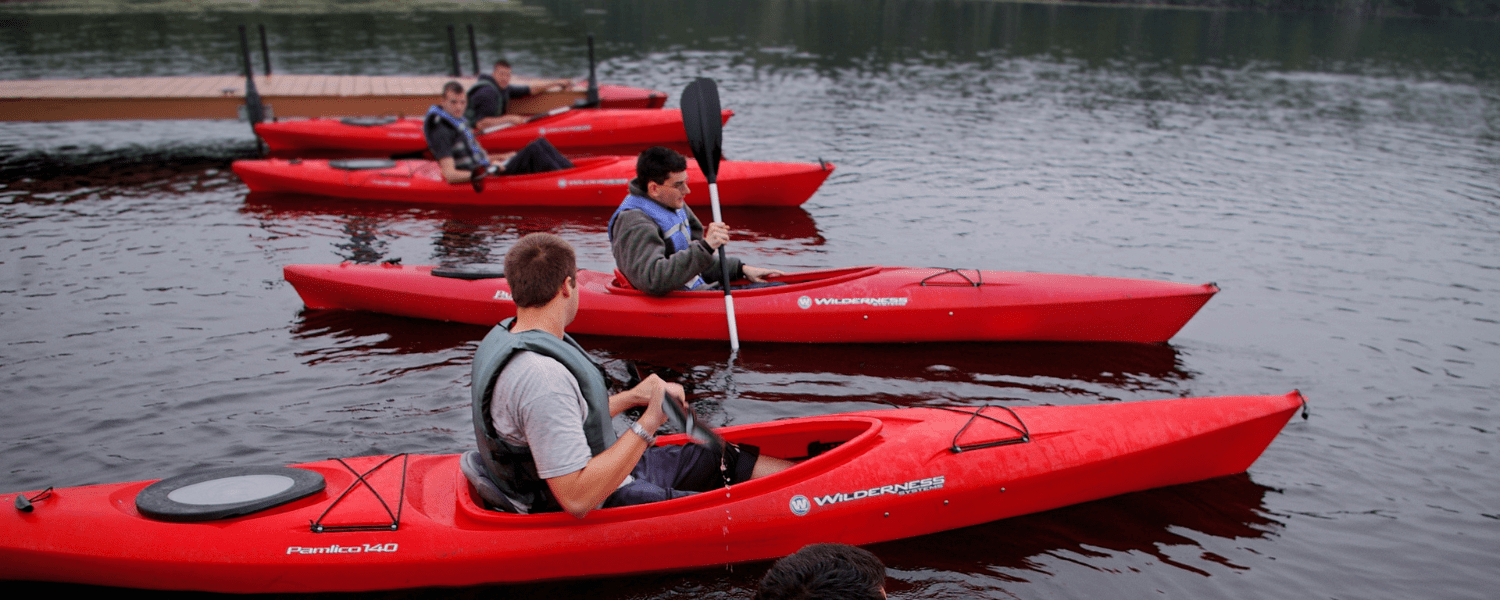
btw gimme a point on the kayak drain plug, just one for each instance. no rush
(23, 503)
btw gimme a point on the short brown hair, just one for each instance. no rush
(536, 267)
(453, 87)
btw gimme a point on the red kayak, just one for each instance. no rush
(601, 131)
(379, 523)
(594, 181)
(860, 304)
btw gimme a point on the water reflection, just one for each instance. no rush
(804, 375)
(1153, 523)
(477, 234)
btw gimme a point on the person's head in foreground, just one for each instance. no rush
(825, 572)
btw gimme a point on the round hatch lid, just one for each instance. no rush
(225, 493)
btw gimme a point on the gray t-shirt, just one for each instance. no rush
(537, 404)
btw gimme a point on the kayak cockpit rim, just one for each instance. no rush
(848, 436)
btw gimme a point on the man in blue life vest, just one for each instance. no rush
(658, 243)
(543, 412)
(491, 96)
(459, 155)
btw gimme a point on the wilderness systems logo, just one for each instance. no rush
(337, 549)
(563, 183)
(806, 302)
(800, 506)
(503, 295)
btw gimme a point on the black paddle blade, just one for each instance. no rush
(703, 121)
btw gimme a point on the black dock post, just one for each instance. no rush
(453, 50)
(473, 50)
(265, 51)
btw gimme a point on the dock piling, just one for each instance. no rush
(453, 51)
(265, 51)
(473, 50)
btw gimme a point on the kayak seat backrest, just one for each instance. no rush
(470, 272)
(369, 121)
(483, 486)
(621, 282)
(362, 164)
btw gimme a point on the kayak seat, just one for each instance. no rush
(471, 272)
(369, 121)
(621, 282)
(362, 164)
(483, 486)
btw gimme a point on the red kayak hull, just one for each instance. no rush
(603, 131)
(594, 181)
(862, 304)
(894, 476)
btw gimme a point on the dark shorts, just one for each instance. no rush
(667, 472)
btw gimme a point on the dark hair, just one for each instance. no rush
(501, 63)
(825, 572)
(655, 164)
(536, 266)
(452, 87)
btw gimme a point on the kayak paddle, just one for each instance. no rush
(702, 120)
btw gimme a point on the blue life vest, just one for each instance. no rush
(512, 467)
(673, 224)
(436, 117)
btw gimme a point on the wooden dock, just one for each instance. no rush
(220, 97)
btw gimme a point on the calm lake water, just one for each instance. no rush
(1338, 178)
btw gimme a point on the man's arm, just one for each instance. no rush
(581, 491)
(452, 174)
(537, 87)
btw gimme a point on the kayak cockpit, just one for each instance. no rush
(816, 444)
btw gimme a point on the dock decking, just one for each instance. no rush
(219, 97)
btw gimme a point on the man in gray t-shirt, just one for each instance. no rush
(550, 409)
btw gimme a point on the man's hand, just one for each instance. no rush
(648, 393)
(758, 274)
(717, 234)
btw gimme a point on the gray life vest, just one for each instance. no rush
(512, 467)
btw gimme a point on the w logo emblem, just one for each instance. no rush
(800, 505)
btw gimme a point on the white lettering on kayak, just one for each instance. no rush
(562, 183)
(546, 130)
(806, 302)
(390, 183)
(899, 489)
(503, 295)
(337, 549)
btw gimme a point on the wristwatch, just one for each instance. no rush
(635, 427)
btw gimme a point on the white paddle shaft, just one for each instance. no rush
(734, 329)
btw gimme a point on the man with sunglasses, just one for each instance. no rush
(659, 244)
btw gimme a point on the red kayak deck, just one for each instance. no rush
(594, 181)
(892, 474)
(861, 304)
(593, 131)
